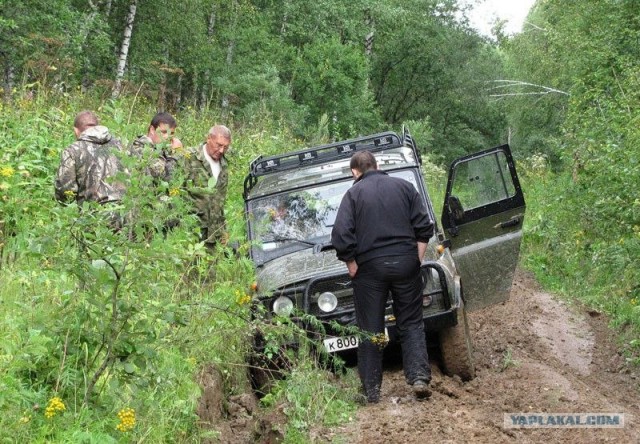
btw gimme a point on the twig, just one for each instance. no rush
(64, 357)
(134, 102)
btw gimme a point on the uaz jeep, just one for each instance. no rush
(291, 201)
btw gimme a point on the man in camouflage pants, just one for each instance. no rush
(88, 166)
(206, 183)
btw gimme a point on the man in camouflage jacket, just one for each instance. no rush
(88, 166)
(160, 139)
(207, 177)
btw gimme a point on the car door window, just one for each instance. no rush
(483, 181)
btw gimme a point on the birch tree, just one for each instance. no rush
(124, 48)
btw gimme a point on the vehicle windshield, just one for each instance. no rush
(297, 219)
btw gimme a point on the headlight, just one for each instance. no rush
(283, 306)
(327, 302)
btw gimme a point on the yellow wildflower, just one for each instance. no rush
(54, 407)
(174, 192)
(380, 340)
(127, 419)
(6, 171)
(70, 194)
(242, 299)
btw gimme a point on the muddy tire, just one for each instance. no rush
(265, 371)
(457, 349)
(263, 376)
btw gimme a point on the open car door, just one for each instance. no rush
(483, 216)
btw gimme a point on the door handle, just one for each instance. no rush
(514, 221)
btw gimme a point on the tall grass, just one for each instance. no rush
(595, 261)
(57, 322)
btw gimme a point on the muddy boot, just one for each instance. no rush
(373, 394)
(421, 389)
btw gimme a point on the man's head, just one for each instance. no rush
(218, 141)
(162, 127)
(361, 162)
(84, 120)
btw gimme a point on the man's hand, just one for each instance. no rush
(422, 249)
(352, 266)
(176, 143)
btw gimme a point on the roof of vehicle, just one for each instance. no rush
(301, 168)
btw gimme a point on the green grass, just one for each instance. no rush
(57, 304)
(595, 262)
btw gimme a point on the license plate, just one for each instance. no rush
(345, 342)
(342, 343)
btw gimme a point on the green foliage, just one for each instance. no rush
(331, 77)
(578, 249)
(425, 64)
(582, 224)
(312, 399)
(309, 65)
(100, 320)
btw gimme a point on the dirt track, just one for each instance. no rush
(533, 353)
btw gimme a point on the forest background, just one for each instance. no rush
(102, 337)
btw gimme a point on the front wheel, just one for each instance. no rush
(457, 349)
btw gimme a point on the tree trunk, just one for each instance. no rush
(124, 49)
(9, 75)
(285, 19)
(85, 29)
(230, 51)
(368, 39)
(207, 74)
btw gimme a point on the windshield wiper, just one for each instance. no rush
(294, 239)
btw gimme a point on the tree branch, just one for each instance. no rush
(519, 83)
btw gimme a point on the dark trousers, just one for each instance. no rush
(399, 275)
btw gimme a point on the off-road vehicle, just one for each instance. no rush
(291, 201)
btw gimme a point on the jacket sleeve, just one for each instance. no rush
(420, 220)
(66, 186)
(343, 234)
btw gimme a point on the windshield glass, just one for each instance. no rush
(294, 220)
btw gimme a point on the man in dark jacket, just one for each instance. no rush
(381, 232)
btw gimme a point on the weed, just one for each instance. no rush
(508, 361)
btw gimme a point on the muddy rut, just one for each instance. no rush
(534, 353)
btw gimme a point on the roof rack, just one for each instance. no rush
(263, 165)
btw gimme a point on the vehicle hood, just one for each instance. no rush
(296, 267)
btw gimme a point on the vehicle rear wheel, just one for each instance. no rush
(457, 349)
